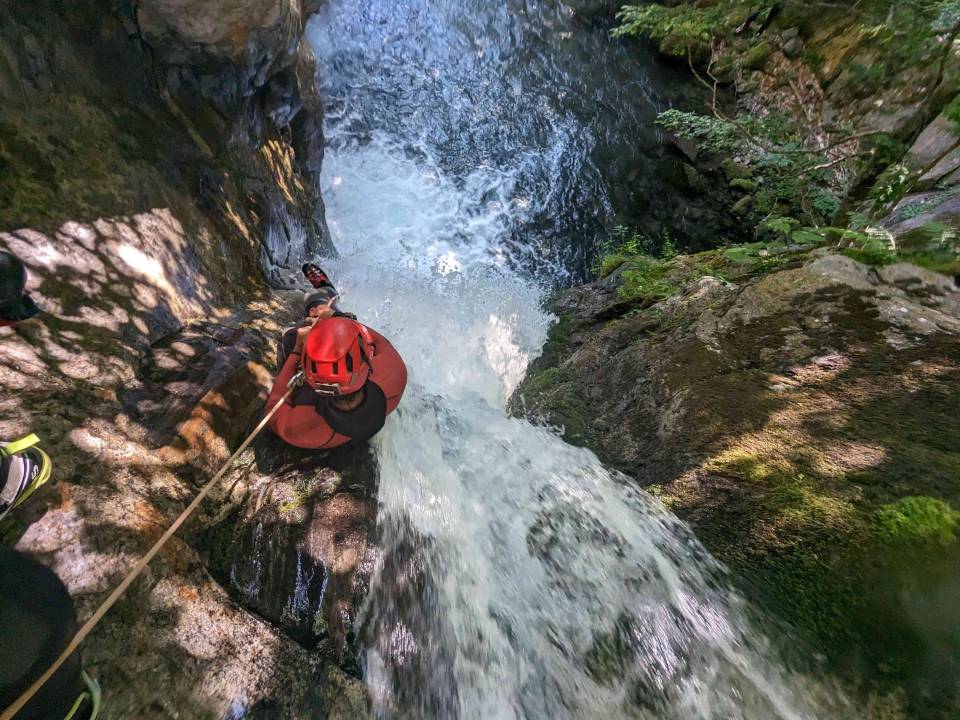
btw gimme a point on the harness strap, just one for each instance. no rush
(18, 446)
(92, 693)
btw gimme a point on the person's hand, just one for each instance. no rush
(322, 313)
(325, 311)
(319, 312)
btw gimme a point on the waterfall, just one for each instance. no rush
(519, 577)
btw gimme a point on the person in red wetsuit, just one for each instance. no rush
(15, 304)
(353, 377)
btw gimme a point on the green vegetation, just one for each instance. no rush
(558, 338)
(712, 134)
(624, 244)
(830, 527)
(784, 164)
(945, 263)
(899, 34)
(913, 520)
(539, 382)
(932, 246)
(644, 262)
(952, 111)
(647, 278)
(644, 281)
(688, 30)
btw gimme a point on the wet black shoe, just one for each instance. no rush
(316, 276)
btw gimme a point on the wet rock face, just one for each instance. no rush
(142, 197)
(300, 553)
(787, 419)
(250, 59)
(252, 32)
(127, 459)
(223, 156)
(643, 404)
(229, 50)
(932, 164)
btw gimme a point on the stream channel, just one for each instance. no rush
(475, 156)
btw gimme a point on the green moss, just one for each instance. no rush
(686, 29)
(305, 489)
(680, 30)
(744, 254)
(756, 57)
(835, 552)
(952, 112)
(73, 159)
(609, 263)
(288, 506)
(813, 58)
(872, 256)
(644, 281)
(555, 349)
(540, 382)
(733, 170)
(917, 520)
(802, 564)
(944, 261)
(647, 280)
(740, 262)
(743, 184)
(948, 264)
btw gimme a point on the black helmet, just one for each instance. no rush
(319, 296)
(15, 305)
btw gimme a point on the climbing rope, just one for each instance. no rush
(144, 561)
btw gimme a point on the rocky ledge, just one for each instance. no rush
(154, 159)
(799, 410)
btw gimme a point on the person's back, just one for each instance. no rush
(354, 379)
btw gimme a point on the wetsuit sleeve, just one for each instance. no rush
(289, 369)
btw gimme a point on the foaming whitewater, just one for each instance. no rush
(519, 578)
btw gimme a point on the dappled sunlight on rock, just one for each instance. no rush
(140, 379)
(139, 206)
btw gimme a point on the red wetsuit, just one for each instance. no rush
(299, 422)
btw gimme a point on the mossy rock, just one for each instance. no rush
(733, 170)
(744, 184)
(610, 263)
(725, 68)
(756, 57)
(916, 520)
(743, 205)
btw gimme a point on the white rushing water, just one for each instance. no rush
(519, 578)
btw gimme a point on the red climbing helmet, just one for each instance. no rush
(336, 356)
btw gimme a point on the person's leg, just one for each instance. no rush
(287, 342)
(37, 621)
